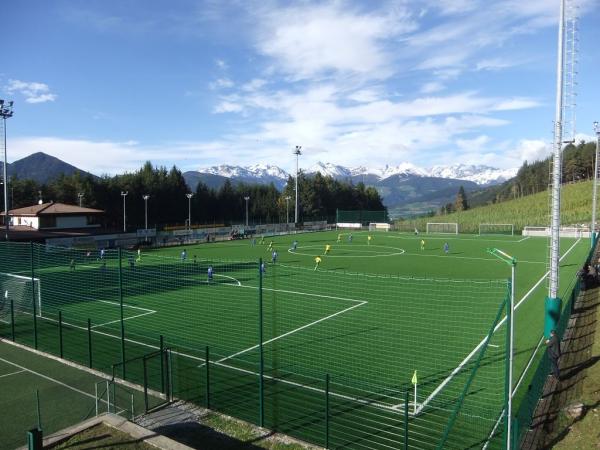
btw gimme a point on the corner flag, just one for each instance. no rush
(414, 378)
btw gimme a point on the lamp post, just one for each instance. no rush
(124, 194)
(146, 197)
(80, 195)
(189, 197)
(6, 111)
(287, 209)
(593, 226)
(297, 152)
(247, 197)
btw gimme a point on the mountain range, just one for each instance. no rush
(405, 188)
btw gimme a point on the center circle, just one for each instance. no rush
(354, 248)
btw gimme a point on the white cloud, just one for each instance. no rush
(221, 83)
(33, 92)
(221, 64)
(228, 107)
(532, 149)
(475, 144)
(431, 87)
(330, 38)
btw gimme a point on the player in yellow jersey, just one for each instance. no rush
(317, 262)
(327, 249)
(369, 237)
(422, 244)
(139, 255)
(339, 239)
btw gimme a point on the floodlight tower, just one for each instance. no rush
(287, 209)
(124, 194)
(552, 307)
(189, 197)
(247, 197)
(146, 197)
(593, 225)
(6, 111)
(297, 152)
(80, 195)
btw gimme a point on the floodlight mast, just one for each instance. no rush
(247, 197)
(124, 194)
(287, 210)
(6, 111)
(80, 195)
(297, 152)
(594, 197)
(552, 305)
(146, 197)
(189, 197)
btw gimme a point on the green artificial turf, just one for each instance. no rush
(369, 317)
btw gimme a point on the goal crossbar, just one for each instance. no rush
(442, 227)
(37, 285)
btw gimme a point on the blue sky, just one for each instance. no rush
(106, 85)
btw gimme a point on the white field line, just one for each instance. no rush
(514, 391)
(12, 373)
(524, 239)
(125, 305)
(231, 278)
(241, 352)
(474, 258)
(54, 380)
(306, 293)
(126, 318)
(484, 340)
(442, 238)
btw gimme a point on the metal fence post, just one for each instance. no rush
(60, 334)
(207, 387)
(12, 318)
(35, 330)
(162, 363)
(145, 383)
(89, 330)
(327, 410)
(507, 378)
(121, 308)
(406, 420)
(261, 386)
(39, 410)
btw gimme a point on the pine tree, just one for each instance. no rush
(460, 204)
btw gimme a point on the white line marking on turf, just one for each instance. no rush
(241, 352)
(524, 239)
(484, 340)
(474, 258)
(12, 373)
(227, 276)
(306, 293)
(25, 369)
(124, 319)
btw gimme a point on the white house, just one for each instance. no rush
(55, 216)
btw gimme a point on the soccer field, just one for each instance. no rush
(371, 317)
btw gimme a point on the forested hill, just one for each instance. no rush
(578, 165)
(168, 204)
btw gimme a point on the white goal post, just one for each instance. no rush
(442, 228)
(379, 226)
(18, 288)
(497, 228)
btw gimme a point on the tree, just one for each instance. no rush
(460, 204)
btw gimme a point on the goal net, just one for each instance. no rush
(20, 290)
(442, 228)
(497, 228)
(379, 226)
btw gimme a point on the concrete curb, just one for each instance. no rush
(112, 420)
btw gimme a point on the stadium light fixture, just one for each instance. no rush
(247, 197)
(124, 194)
(189, 197)
(594, 197)
(6, 111)
(297, 152)
(80, 195)
(287, 209)
(146, 197)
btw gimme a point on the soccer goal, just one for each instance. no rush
(20, 290)
(379, 226)
(507, 229)
(442, 228)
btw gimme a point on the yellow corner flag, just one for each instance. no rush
(414, 378)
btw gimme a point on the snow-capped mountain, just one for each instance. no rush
(265, 173)
(479, 174)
